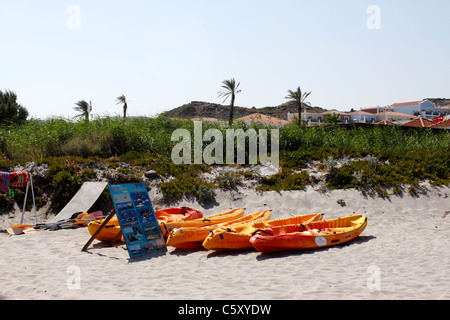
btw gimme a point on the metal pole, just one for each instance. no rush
(24, 202)
(34, 200)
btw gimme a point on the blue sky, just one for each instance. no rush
(163, 54)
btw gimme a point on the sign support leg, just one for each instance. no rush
(108, 218)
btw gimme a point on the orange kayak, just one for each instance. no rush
(110, 231)
(167, 227)
(311, 235)
(237, 236)
(191, 237)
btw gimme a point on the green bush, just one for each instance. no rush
(81, 147)
(65, 187)
(285, 180)
(205, 194)
(188, 186)
(228, 180)
(128, 176)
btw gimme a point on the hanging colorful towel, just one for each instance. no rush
(19, 180)
(4, 181)
(13, 180)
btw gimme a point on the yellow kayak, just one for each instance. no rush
(192, 237)
(108, 233)
(237, 236)
(229, 215)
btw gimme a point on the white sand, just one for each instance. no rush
(403, 254)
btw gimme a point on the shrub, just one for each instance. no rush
(65, 186)
(81, 147)
(287, 179)
(125, 175)
(186, 185)
(341, 178)
(205, 194)
(228, 180)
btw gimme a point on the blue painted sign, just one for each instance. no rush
(137, 219)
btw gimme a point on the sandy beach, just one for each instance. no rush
(402, 254)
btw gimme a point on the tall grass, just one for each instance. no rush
(103, 137)
(357, 139)
(109, 136)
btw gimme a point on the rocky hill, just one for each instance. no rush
(213, 110)
(440, 101)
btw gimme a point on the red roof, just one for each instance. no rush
(419, 122)
(393, 113)
(361, 112)
(443, 124)
(405, 103)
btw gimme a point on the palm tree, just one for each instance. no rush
(231, 89)
(299, 98)
(85, 109)
(123, 100)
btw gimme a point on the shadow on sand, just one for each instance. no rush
(267, 255)
(285, 253)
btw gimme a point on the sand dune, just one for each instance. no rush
(402, 254)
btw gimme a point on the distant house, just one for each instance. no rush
(444, 110)
(362, 117)
(311, 117)
(392, 116)
(344, 117)
(262, 118)
(376, 110)
(419, 122)
(424, 108)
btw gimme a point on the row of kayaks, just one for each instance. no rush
(186, 228)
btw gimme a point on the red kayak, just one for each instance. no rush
(177, 214)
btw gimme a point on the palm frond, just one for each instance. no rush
(121, 100)
(84, 108)
(306, 95)
(230, 87)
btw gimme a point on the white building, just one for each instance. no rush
(312, 118)
(362, 117)
(444, 110)
(424, 108)
(395, 117)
